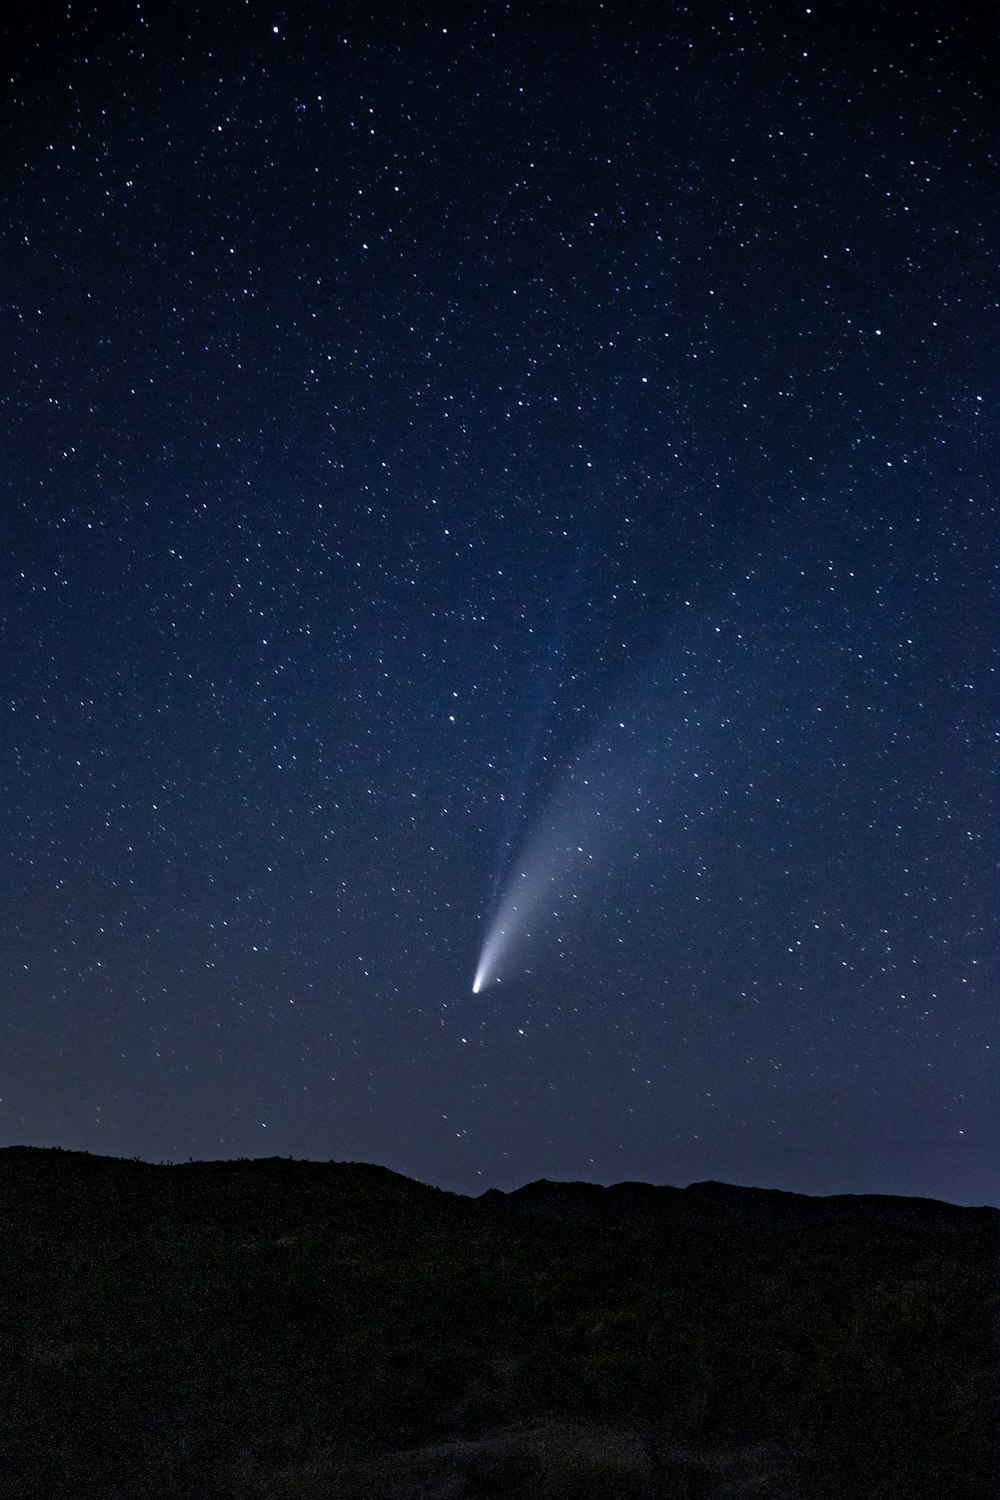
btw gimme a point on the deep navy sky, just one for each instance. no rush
(443, 443)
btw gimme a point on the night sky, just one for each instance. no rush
(510, 474)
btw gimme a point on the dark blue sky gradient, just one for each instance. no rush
(403, 405)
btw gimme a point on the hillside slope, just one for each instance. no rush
(327, 1331)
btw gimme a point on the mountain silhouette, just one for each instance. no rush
(336, 1331)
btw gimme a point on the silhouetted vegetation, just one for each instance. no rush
(335, 1331)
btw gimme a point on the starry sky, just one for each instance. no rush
(456, 448)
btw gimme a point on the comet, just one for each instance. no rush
(557, 861)
(600, 815)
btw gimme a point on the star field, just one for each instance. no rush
(419, 421)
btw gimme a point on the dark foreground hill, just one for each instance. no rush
(310, 1331)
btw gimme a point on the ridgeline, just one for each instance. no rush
(285, 1330)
